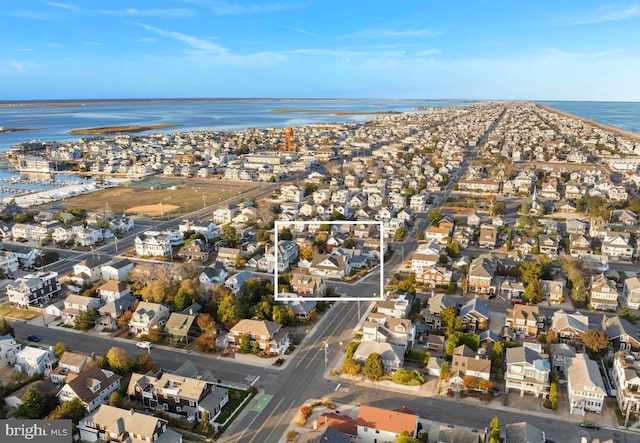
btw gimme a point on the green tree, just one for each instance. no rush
(86, 319)
(119, 360)
(230, 236)
(596, 341)
(60, 348)
(34, 405)
(229, 311)
(245, 344)
(145, 363)
(534, 292)
(449, 317)
(406, 438)
(497, 357)
(283, 315)
(116, 399)
(453, 249)
(530, 271)
(434, 216)
(6, 328)
(351, 349)
(182, 300)
(499, 208)
(374, 366)
(285, 234)
(399, 234)
(73, 410)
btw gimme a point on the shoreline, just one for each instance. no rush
(621, 132)
(331, 112)
(109, 130)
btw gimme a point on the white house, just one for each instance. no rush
(152, 243)
(148, 316)
(584, 386)
(92, 387)
(9, 347)
(34, 361)
(528, 370)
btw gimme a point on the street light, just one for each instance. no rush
(326, 349)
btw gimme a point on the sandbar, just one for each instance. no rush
(119, 129)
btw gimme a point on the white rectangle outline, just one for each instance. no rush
(335, 222)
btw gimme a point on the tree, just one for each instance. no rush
(204, 427)
(495, 429)
(497, 357)
(499, 208)
(119, 360)
(181, 300)
(530, 271)
(73, 410)
(125, 318)
(6, 328)
(115, 399)
(60, 348)
(397, 236)
(229, 236)
(285, 234)
(155, 291)
(374, 366)
(34, 405)
(207, 340)
(229, 312)
(452, 322)
(406, 438)
(351, 367)
(245, 344)
(307, 252)
(351, 349)
(596, 341)
(434, 216)
(553, 395)
(453, 249)
(144, 363)
(444, 370)
(86, 319)
(282, 315)
(534, 292)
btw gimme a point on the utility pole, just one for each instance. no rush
(326, 349)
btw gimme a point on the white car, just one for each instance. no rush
(143, 345)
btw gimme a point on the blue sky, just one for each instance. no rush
(569, 50)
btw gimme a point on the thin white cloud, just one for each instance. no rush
(298, 30)
(194, 42)
(16, 66)
(608, 14)
(61, 5)
(133, 12)
(561, 53)
(220, 7)
(394, 33)
(92, 43)
(147, 40)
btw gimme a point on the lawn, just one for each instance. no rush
(177, 196)
(6, 310)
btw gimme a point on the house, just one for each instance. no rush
(623, 336)
(631, 292)
(378, 425)
(308, 285)
(26, 255)
(467, 364)
(474, 315)
(524, 245)
(113, 290)
(576, 226)
(228, 256)
(435, 276)
(524, 320)
(561, 354)
(211, 275)
(148, 316)
(511, 290)
(77, 304)
(34, 361)
(437, 234)
(266, 333)
(195, 250)
(34, 289)
(569, 328)
(444, 433)
(380, 328)
(302, 309)
(117, 270)
(617, 246)
(112, 311)
(396, 304)
(481, 271)
(224, 215)
(9, 347)
(528, 370)
(45, 387)
(579, 245)
(524, 432)
(426, 256)
(488, 236)
(435, 305)
(92, 387)
(70, 363)
(548, 244)
(208, 229)
(584, 386)
(179, 394)
(626, 378)
(90, 270)
(9, 263)
(603, 293)
(153, 243)
(237, 281)
(180, 326)
(392, 355)
(330, 266)
(112, 424)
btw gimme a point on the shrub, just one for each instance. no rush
(305, 411)
(301, 420)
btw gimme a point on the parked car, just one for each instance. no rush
(33, 338)
(143, 345)
(590, 425)
(516, 301)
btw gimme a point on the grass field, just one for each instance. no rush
(6, 310)
(176, 196)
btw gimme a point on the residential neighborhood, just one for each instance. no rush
(482, 256)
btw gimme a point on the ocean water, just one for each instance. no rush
(621, 115)
(54, 123)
